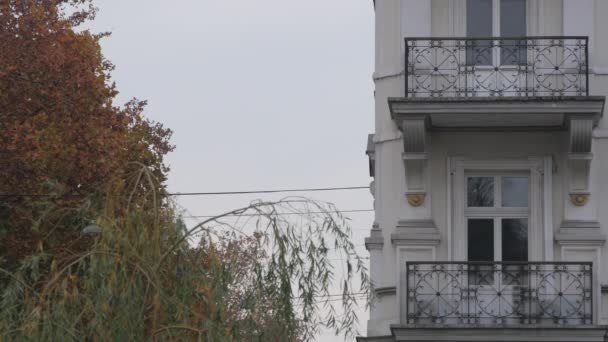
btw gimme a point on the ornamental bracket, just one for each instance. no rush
(415, 158)
(579, 159)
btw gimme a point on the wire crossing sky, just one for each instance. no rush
(265, 94)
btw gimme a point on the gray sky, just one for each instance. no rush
(261, 94)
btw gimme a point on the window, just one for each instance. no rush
(496, 216)
(496, 18)
(517, 192)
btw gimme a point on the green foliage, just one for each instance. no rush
(266, 277)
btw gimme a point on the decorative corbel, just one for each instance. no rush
(415, 159)
(375, 239)
(579, 159)
(371, 155)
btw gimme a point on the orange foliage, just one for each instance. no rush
(58, 123)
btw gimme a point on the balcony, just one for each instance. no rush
(473, 294)
(496, 84)
(496, 66)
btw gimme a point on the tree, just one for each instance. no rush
(71, 157)
(61, 135)
(266, 276)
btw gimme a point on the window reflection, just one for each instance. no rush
(515, 239)
(480, 192)
(481, 239)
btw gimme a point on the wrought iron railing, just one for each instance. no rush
(521, 66)
(499, 293)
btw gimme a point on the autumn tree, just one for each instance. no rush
(62, 138)
(70, 155)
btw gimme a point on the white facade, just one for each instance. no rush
(426, 148)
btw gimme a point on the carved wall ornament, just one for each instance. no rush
(415, 200)
(579, 200)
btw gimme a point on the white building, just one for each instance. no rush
(490, 167)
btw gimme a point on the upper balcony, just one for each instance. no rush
(496, 66)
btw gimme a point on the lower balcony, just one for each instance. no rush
(504, 294)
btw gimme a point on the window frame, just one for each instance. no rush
(540, 231)
(497, 212)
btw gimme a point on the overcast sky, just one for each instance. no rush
(264, 94)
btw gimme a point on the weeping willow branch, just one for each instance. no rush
(268, 277)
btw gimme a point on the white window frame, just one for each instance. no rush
(496, 212)
(540, 230)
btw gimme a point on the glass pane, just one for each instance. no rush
(479, 24)
(480, 191)
(514, 191)
(479, 18)
(515, 239)
(513, 18)
(513, 24)
(480, 239)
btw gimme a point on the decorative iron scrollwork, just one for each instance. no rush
(496, 66)
(504, 293)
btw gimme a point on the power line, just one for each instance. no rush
(211, 193)
(266, 191)
(302, 213)
(356, 297)
(38, 195)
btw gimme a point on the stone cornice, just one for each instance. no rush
(497, 104)
(416, 224)
(562, 107)
(375, 240)
(579, 232)
(579, 224)
(416, 232)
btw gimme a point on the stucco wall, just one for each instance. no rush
(396, 19)
(490, 145)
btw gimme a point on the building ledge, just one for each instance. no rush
(504, 113)
(415, 232)
(578, 232)
(388, 338)
(528, 333)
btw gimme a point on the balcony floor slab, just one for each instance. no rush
(492, 113)
(528, 333)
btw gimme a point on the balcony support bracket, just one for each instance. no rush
(579, 158)
(415, 158)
